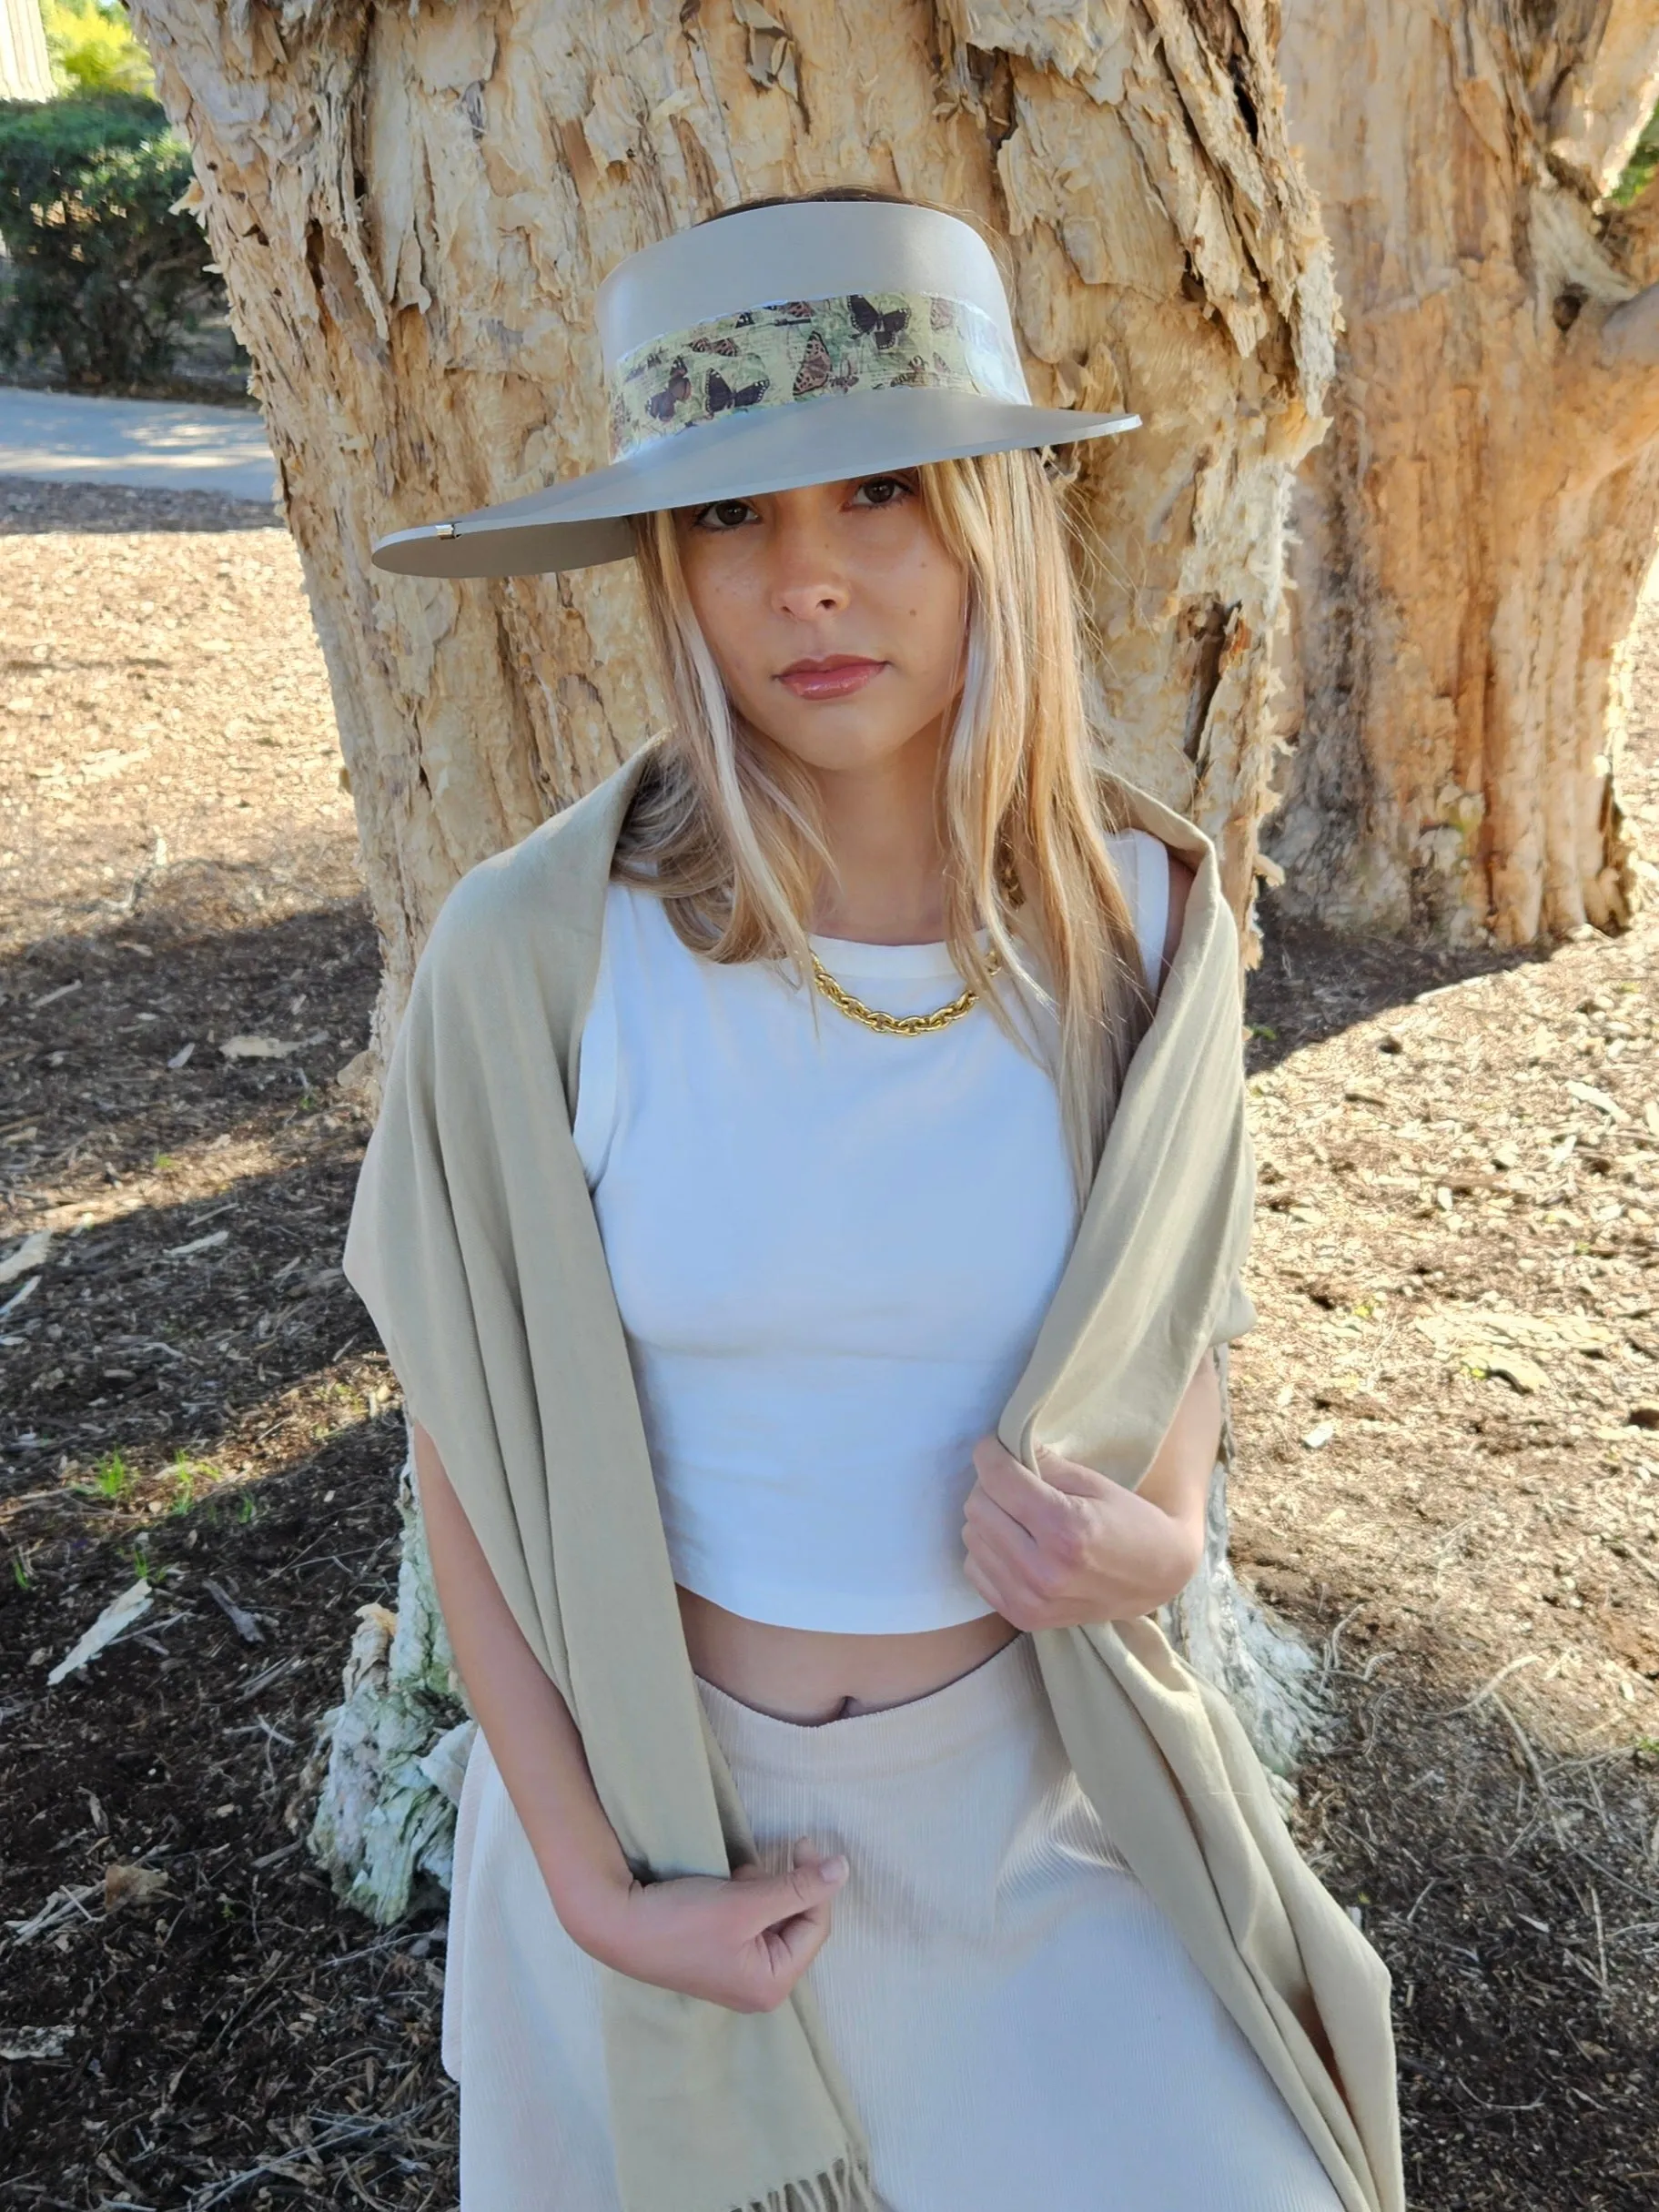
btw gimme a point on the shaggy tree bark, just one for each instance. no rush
(412, 207)
(1475, 530)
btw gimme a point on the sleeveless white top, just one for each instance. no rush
(831, 1251)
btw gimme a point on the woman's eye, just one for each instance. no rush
(723, 514)
(881, 490)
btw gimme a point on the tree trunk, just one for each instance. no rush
(412, 209)
(1475, 532)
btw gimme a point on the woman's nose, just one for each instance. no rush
(807, 599)
(807, 581)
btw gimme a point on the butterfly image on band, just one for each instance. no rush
(661, 406)
(818, 372)
(886, 329)
(722, 396)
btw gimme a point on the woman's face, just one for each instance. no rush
(834, 615)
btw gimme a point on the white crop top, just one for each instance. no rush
(831, 1251)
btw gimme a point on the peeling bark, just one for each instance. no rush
(1474, 533)
(1272, 1681)
(383, 1782)
(1629, 336)
(413, 209)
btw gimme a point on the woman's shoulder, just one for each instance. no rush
(1131, 848)
(1157, 881)
(1151, 853)
(549, 888)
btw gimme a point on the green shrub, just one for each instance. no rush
(1644, 162)
(103, 270)
(92, 49)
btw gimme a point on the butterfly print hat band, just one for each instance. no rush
(780, 347)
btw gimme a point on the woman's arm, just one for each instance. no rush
(530, 1733)
(742, 1943)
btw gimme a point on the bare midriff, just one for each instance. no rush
(809, 1675)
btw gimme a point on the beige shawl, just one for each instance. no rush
(473, 1244)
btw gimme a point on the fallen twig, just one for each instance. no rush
(1527, 1659)
(239, 1618)
(61, 1906)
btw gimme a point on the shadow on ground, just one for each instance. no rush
(1310, 986)
(29, 508)
(218, 1420)
(233, 2034)
(1514, 1896)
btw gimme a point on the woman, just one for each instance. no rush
(840, 1830)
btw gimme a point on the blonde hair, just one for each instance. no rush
(724, 825)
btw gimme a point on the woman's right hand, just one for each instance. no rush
(743, 1942)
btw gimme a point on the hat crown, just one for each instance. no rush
(772, 348)
(812, 249)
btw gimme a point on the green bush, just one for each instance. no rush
(92, 49)
(103, 270)
(1644, 162)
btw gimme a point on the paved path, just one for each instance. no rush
(154, 444)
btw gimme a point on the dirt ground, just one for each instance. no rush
(1448, 1419)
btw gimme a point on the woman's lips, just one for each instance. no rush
(831, 679)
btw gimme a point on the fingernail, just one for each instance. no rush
(835, 1869)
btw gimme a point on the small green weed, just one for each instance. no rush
(20, 1571)
(112, 1478)
(188, 1477)
(163, 1161)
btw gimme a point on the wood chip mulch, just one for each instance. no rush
(192, 1395)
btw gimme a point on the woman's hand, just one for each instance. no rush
(1067, 1546)
(743, 1942)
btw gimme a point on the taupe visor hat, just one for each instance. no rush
(775, 348)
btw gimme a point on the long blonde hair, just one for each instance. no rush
(725, 826)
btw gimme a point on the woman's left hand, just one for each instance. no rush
(1067, 1546)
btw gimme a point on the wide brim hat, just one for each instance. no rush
(775, 348)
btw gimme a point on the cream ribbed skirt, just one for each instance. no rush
(1016, 2020)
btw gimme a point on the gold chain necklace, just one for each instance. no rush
(896, 1024)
